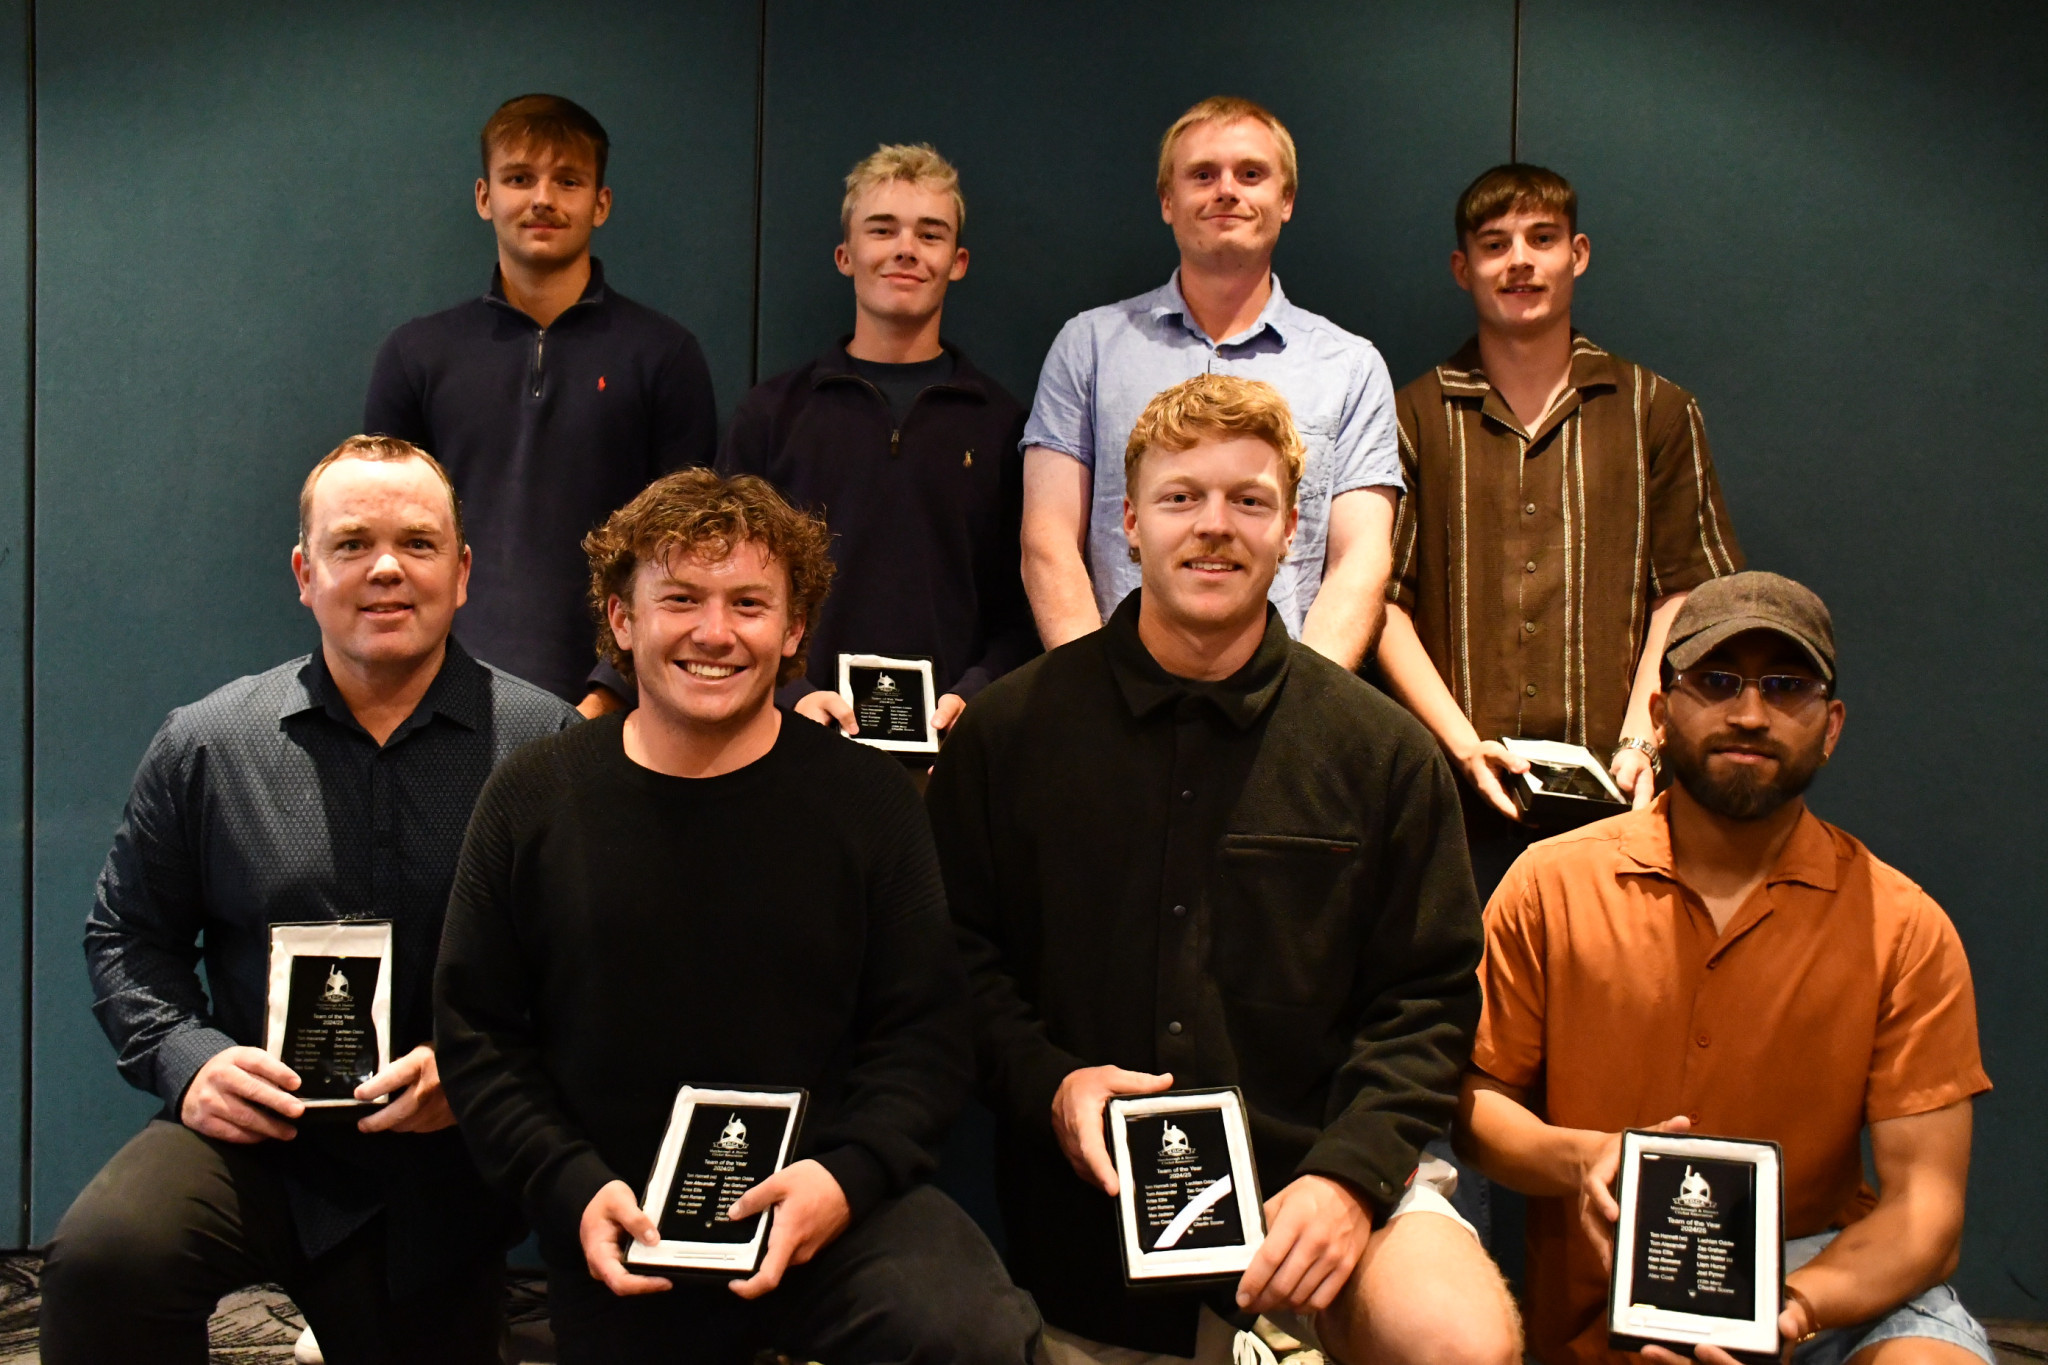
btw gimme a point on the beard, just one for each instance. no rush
(1743, 794)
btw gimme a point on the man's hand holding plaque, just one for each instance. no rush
(1188, 1206)
(892, 702)
(721, 1184)
(328, 1015)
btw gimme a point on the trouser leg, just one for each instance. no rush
(346, 1297)
(914, 1281)
(146, 1251)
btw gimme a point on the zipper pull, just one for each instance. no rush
(895, 441)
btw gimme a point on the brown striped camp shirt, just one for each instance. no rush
(1529, 560)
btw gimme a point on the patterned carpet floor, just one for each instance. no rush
(258, 1326)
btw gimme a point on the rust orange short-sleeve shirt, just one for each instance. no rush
(1839, 996)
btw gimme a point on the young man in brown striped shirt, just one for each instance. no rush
(1561, 503)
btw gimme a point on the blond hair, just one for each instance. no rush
(1229, 109)
(377, 450)
(1218, 406)
(916, 162)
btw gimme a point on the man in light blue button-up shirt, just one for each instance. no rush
(1226, 185)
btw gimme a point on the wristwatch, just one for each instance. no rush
(1649, 751)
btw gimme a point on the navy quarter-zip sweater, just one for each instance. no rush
(545, 431)
(924, 514)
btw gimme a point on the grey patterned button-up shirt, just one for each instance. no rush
(265, 802)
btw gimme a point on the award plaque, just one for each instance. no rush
(1699, 1249)
(329, 1014)
(1565, 786)
(1188, 1206)
(892, 701)
(720, 1143)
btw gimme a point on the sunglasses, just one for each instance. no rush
(1780, 691)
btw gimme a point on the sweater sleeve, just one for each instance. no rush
(685, 427)
(1020, 1067)
(485, 994)
(1399, 1088)
(912, 1066)
(392, 406)
(1007, 627)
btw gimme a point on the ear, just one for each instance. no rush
(462, 580)
(1131, 524)
(792, 637)
(1837, 714)
(1287, 209)
(1461, 269)
(1582, 254)
(483, 198)
(1293, 525)
(1660, 720)
(843, 258)
(619, 617)
(604, 206)
(1166, 209)
(302, 569)
(959, 264)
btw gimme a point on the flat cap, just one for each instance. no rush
(1719, 610)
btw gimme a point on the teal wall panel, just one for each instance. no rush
(237, 201)
(15, 160)
(1826, 220)
(1053, 112)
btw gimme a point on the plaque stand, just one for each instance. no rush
(892, 699)
(720, 1143)
(1700, 1246)
(328, 1014)
(1188, 1206)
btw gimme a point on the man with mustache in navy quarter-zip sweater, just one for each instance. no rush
(552, 399)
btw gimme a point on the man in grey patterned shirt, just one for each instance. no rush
(336, 786)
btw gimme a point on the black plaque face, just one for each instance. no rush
(888, 704)
(1175, 1160)
(1695, 1236)
(727, 1150)
(330, 1035)
(1569, 779)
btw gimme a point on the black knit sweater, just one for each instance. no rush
(615, 933)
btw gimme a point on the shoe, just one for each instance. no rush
(307, 1350)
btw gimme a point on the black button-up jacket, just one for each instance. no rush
(1260, 882)
(265, 802)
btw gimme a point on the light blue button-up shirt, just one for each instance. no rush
(1107, 363)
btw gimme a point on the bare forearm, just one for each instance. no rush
(1351, 603)
(1062, 597)
(1417, 685)
(1516, 1148)
(1662, 613)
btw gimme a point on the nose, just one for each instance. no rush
(1747, 711)
(712, 628)
(1213, 521)
(386, 569)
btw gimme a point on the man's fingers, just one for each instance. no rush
(250, 1119)
(398, 1111)
(1251, 1286)
(836, 707)
(255, 1089)
(254, 1061)
(772, 1265)
(1100, 1168)
(395, 1077)
(1142, 1082)
(1677, 1123)
(760, 1197)
(1489, 787)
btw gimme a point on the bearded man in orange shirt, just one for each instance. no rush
(1725, 962)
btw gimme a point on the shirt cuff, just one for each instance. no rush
(1379, 1170)
(861, 1177)
(179, 1057)
(570, 1193)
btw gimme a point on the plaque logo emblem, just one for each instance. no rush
(337, 991)
(734, 1138)
(887, 688)
(1694, 1192)
(1173, 1142)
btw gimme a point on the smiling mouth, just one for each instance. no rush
(1211, 565)
(712, 672)
(388, 608)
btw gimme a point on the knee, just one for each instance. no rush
(1485, 1334)
(103, 1246)
(996, 1329)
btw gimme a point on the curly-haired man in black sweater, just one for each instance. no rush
(631, 914)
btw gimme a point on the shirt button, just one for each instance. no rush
(1530, 690)
(1528, 627)
(1530, 566)
(1179, 910)
(1174, 1028)
(1702, 1040)
(1529, 509)
(1692, 1118)
(1187, 796)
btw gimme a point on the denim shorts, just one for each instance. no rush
(1936, 1314)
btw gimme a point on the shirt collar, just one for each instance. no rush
(1242, 697)
(836, 365)
(593, 292)
(1807, 858)
(1168, 302)
(461, 692)
(1591, 368)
